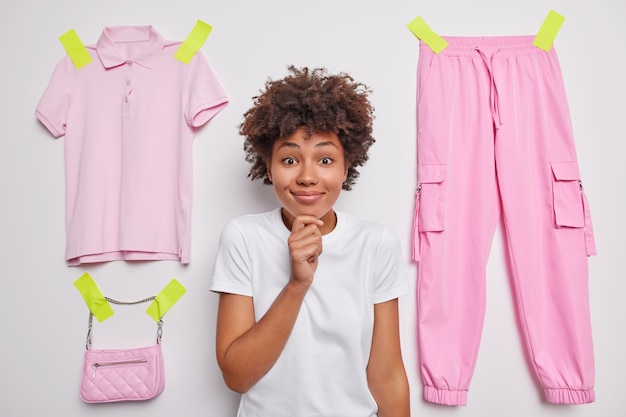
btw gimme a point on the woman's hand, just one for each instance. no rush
(305, 246)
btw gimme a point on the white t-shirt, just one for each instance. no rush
(322, 369)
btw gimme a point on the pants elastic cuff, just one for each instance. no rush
(570, 396)
(445, 396)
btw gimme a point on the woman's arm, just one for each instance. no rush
(385, 371)
(246, 349)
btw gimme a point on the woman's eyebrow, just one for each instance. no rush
(287, 144)
(326, 143)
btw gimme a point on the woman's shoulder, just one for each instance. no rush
(354, 222)
(249, 225)
(255, 219)
(358, 227)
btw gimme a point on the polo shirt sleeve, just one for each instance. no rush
(391, 280)
(232, 272)
(205, 96)
(53, 107)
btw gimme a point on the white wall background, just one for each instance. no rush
(42, 316)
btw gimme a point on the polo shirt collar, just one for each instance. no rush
(112, 56)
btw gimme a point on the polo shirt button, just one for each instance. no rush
(127, 82)
(129, 62)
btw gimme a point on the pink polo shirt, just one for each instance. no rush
(129, 118)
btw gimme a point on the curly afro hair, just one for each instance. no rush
(317, 101)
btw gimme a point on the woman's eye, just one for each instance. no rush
(289, 161)
(326, 160)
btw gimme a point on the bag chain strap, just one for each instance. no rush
(126, 303)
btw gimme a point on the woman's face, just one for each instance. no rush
(307, 171)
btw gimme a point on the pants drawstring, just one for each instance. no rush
(495, 105)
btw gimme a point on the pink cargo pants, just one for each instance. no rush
(494, 138)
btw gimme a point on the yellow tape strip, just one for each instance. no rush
(549, 29)
(166, 299)
(99, 307)
(75, 49)
(427, 35)
(194, 42)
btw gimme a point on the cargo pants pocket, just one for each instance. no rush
(571, 208)
(566, 195)
(430, 203)
(432, 198)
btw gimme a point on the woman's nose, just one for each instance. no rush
(307, 174)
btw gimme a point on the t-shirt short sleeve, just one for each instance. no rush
(391, 279)
(231, 273)
(53, 107)
(205, 96)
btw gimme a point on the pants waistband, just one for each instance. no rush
(467, 45)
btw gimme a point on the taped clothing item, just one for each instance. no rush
(495, 138)
(129, 120)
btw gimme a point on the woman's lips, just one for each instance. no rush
(307, 197)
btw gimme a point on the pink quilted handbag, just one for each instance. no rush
(111, 375)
